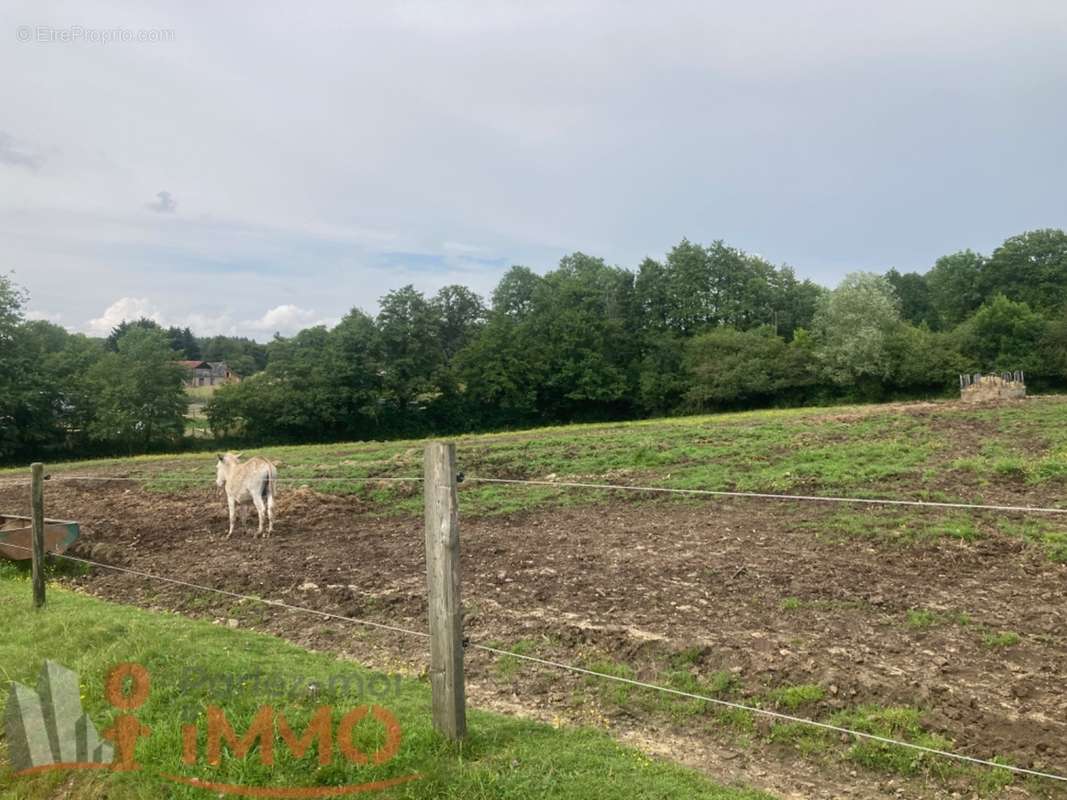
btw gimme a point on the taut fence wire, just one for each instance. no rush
(191, 480)
(194, 478)
(776, 715)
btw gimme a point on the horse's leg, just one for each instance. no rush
(232, 504)
(260, 508)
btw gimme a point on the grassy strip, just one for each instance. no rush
(503, 757)
(902, 723)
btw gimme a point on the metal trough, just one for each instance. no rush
(16, 536)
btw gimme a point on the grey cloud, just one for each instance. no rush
(164, 203)
(16, 154)
(832, 135)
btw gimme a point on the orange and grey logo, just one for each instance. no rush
(47, 730)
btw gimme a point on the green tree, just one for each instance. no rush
(139, 399)
(852, 326)
(916, 306)
(124, 327)
(652, 295)
(355, 373)
(730, 367)
(242, 355)
(925, 360)
(954, 288)
(581, 321)
(184, 343)
(1053, 347)
(1005, 336)
(793, 302)
(460, 314)
(1029, 268)
(411, 355)
(14, 395)
(662, 379)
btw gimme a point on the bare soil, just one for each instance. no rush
(751, 584)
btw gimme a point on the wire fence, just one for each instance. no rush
(562, 666)
(191, 479)
(571, 668)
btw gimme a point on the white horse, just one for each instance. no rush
(250, 480)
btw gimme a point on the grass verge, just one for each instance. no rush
(503, 756)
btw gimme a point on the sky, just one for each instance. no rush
(257, 168)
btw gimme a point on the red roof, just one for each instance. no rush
(194, 364)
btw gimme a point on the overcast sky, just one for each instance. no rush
(266, 166)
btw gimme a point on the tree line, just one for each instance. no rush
(708, 327)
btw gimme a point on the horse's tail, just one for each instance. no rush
(269, 484)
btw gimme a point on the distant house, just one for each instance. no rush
(207, 373)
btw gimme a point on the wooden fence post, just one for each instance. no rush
(37, 546)
(442, 581)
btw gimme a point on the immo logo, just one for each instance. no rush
(48, 730)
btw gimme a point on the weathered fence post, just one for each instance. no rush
(442, 581)
(37, 545)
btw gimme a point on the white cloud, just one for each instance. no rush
(288, 318)
(125, 308)
(207, 324)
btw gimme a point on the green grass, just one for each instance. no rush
(898, 723)
(920, 618)
(1000, 639)
(862, 451)
(902, 723)
(1043, 533)
(508, 667)
(502, 757)
(900, 526)
(796, 696)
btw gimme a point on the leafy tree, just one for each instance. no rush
(953, 283)
(1005, 336)
(46, 390)
(410, 353)
(12, 364)
(355, 373)
(296, 397)
(243, 356)
(557, 347)
(852, 326)
(1030, 268)
(501, 369)
(914, 293)
(652, 295)
(580, 319)
(139, 398)
(923, 359)
(184, 343)
(460, 314)
(693, 298)
(793, 302)
(1053, 347)
(727, 366)
(124, 327)
(662, 380)
(514, 294)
